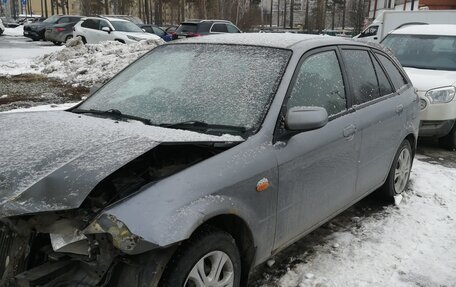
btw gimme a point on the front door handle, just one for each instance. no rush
(349, 132)
(399, 109)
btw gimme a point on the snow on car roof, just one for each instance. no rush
(277, 40)
(431, 29)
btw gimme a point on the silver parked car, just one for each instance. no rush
(201, 160)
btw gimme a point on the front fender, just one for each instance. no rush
(168, 211)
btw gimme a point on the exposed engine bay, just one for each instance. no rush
(65, 248)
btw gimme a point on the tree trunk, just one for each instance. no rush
(285, 14)
(343, 14)
(291, 14)
(306, 20)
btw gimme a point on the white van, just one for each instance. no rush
(428, 55)
(391, 20)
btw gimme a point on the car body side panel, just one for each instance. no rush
(317, 177)
(381, 126)
(170, 210)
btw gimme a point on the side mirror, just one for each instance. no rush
(106, 29)
(306, 118)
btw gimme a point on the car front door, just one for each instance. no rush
(380, 117)
(317, 168)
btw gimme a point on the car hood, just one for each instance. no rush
(424, 80)
(52, 160)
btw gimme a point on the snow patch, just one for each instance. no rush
(82, 64)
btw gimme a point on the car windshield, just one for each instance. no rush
(52, 19)
(125, 26)
(215, 84)
(424, 51)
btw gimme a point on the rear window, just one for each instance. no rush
(187, 28)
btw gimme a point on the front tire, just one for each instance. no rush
(399, 173)
(209, 258)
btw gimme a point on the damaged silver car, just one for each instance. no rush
(201, 160)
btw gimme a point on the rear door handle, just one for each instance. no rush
(399, 108)
(349, 131)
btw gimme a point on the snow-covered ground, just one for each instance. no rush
(22, 49)
(410, 244)
(77, 63)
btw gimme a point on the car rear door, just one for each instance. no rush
(379, 116)
(317, 168)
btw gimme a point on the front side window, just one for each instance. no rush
(232, 29)
(424, 51)
(215, 84)
(103, 24)
(125, 26)
(371, 31)
(63, 20)
(52, 19)
(362, 75)
(319, 83)
(219, 28)
(158, 31)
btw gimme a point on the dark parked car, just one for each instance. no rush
(9, 22)
(36, 30)
(154, 29)
(194, 28)
(62, 32)
(159, 178)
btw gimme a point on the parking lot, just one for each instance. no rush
(370, 244)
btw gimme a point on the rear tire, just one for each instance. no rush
(209, 258)
(449, 141)
(68, 38)
(399, 173)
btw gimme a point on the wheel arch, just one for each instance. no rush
(242, 234)
(413, 142)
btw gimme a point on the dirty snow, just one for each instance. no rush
(82, 64)
(410, 244)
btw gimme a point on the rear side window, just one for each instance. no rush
(395, 76)
(90, 24)
(383, 83)
(362, 75)
(187, 28)
(219, 28)
(319, 83)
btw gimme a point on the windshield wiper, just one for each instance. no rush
(203, 126)
(115, 114)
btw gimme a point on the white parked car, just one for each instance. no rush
(428, 55)
(93, 30)
(2, 27)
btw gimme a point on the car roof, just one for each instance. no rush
(427, 29)
(196, 21)
(275, 40)
(106, 18)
